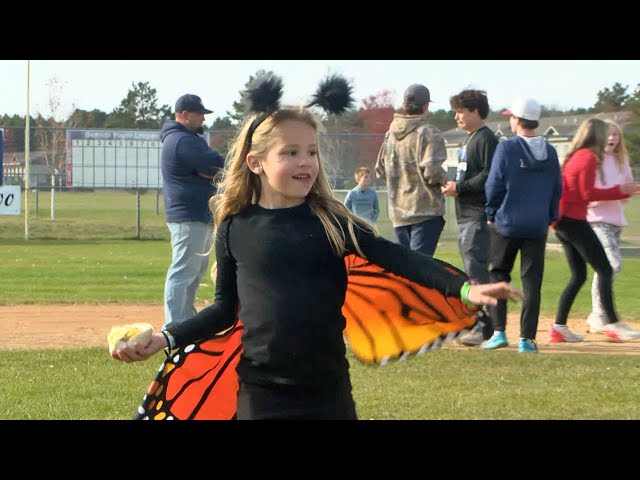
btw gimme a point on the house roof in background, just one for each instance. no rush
(562, 126)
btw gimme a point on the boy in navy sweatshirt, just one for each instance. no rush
(523, 193)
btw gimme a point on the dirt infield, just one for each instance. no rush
(74, 326)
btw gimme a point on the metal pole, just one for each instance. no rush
(53, 196)
(138, 214)
(27, 134)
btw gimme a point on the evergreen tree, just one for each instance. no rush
(632, 129)
(611, 100)
(139, 109)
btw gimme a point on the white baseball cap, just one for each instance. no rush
(525, 108)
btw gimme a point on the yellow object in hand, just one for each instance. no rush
(123, 335)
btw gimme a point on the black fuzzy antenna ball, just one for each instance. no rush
(333, 95)
(263, 94)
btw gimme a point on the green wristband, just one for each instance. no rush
(464, 294)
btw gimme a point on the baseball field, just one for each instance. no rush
(84, 271)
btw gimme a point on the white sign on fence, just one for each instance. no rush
(10, 200)
(114, 158)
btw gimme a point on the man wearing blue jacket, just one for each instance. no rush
(188, 168)
(523, 193)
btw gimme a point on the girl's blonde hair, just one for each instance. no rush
(591, 134)
(239, 187)
(620, 153)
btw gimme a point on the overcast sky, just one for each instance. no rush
(102, 84)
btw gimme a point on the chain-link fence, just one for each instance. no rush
(59, 209)
(74, 178)
(53, 152)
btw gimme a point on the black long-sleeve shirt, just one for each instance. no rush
(480, 147)
(278, 274)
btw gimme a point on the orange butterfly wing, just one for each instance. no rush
(197, 382)
(389, 316)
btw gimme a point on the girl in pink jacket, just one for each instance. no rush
(606, 217)
(581, 244)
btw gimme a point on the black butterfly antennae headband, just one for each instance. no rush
(334, 96)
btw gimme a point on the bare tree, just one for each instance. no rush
(50, 132)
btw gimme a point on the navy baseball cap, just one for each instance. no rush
(191, 103)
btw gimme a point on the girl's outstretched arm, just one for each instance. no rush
(490, 293)
(429, 272)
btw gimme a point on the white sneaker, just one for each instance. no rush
(619, 332)
(471, 339)
(595, 324)
(561, 333)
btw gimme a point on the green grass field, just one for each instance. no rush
(88, 256)
(90, 246)
(126, 271)
(86, 384)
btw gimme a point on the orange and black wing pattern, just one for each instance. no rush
(387, 317)
(391, 317)
(197, 382)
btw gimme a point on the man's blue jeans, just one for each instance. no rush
(190, 246)
(422, 237)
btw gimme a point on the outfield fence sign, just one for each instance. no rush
(1, 151)
(128, 159)
(10, 200)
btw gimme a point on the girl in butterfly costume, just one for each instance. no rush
(281, 240)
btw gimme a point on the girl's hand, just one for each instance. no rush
(490, 293)
(630, 188)
(137, 352)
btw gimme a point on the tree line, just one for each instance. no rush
(140, 109)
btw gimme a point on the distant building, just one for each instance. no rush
(558, 130)
(39, 173)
